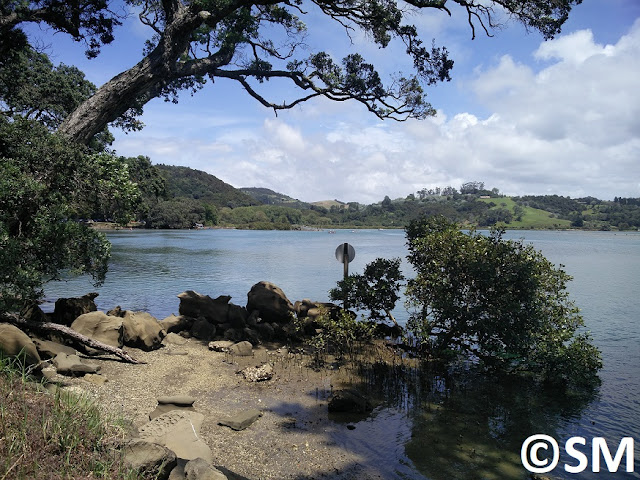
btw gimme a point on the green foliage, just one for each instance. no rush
(376, 290)
(501, 302)
(46, 183)
(339, 333)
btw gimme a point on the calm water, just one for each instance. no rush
(148, 270)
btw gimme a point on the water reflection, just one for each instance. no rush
(468, 426)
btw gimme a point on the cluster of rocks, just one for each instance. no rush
(170, 443)
(170, 446)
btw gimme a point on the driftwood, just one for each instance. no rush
(67, 332)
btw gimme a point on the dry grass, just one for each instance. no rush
(54, 435)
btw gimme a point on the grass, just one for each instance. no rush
(54, 435)
(532, 218)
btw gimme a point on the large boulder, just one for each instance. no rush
(270, 301)
(196, 305)
(101, 327)
(68, 309)
(142, 330)
(176, 323)
(15, 343)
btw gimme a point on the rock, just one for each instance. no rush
(259, 373)
(221, 345)
(117, 312)
(251, 336)
(270, 301)
(101, 327)
(196, 305)
(49, 349)
(241, 349)
(73, 365)
(142, 330)
(199, 469)
(168, 407)
(265, 331)
(203, 330)
(180, 400)
(176, 323)
(179, 431)
(237, 316)
(151, 459)
(95, 379)
(15, 343)
(66, 310)
(241, 420)
(174, 339)
(349, 401)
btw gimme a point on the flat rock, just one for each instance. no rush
(178, 430)
(241, 420)
(73, 365)
(49, 349)
(95, 379)
(349, 401)
(179, 400)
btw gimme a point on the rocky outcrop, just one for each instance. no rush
(15, 343)
(142, 330)
(68, 309)
(101, 327)
(216, 311)
(270, 301)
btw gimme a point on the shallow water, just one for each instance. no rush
(448, 430)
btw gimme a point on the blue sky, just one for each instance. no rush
(520, 114)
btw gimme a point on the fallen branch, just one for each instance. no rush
(69, 333)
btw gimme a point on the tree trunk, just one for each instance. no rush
(69, 333)
(109, 102)
(135, 86)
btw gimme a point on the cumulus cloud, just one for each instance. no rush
(567, 122)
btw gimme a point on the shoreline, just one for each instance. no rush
(295, 439)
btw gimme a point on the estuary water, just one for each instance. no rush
(451, 431)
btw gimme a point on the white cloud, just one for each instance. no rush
(568, 123)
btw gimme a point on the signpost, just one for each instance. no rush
(345, 253)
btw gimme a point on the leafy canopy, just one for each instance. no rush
(253, 41)
(499, 301)
(45, 183)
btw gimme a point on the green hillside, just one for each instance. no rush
(267, 196)
(185, 182)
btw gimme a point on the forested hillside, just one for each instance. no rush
(181, 197)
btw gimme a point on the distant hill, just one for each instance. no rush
(185, 182)
(267, 196)
(330, 203)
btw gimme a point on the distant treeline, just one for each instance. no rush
(182, 197)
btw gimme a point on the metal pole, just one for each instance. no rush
(345, 262)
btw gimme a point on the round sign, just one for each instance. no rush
(345, 252)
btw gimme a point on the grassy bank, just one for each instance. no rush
(54, 435)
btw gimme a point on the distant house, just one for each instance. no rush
(485, 196)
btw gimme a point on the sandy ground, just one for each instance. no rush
(294, 439)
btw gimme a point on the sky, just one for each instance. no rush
(524, 115)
